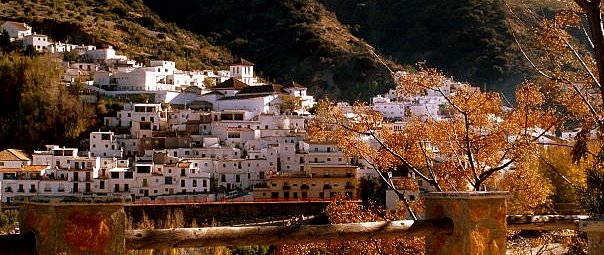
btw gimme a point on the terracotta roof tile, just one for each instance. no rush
(13, 155)
(242, 62)
(231, 83)
(35, 168)
(262, 89)
(19, 25)
(184, 164)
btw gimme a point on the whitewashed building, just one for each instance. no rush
(16, 30)
(37, 41)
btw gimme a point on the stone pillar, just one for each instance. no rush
(75, 228)
(595, 235)
(478, 220)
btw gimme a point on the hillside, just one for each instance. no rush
(288, 40)
(470, 40)
(128, 26)
(467, 39)
(319, 43)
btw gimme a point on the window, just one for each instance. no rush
(114, 175)
(237, 178)
(126, 188)
(128, 175)
(194, 183)
(205, 183)
(182, 183)
(116, 188)
(223, 178)
(102, 185)
(167, 180)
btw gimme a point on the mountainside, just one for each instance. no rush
(319, 43)
(127, 25)
(287, 40)
(468, 39)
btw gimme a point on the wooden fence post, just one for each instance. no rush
(75, 227)
(479, 222)
(595, 235)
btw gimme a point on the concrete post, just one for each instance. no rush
(478, 220)
(75, 227)
(595, 235)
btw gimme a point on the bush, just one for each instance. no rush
(591, 196)
(251, 250)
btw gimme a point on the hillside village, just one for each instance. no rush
(205, 135)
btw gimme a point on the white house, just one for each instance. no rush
(149, 117)
(306, 101)
(104, 144)
(243, 71)
(54, 156)
(13, 158)
(16, 30)
(39, 42)
(20, 182)
(103, 54)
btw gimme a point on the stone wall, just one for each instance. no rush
(479, 222)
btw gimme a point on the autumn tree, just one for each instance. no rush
(477, 146)
(290, 103)
(567, 52)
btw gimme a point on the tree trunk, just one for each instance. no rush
(593, 12)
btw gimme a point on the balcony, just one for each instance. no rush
(8, 189)
(260, 185)
(20, 190)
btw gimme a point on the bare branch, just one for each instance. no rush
(393, 187)
(537, 69)
(415, 170)
(427, 160)
(553, 169)
(583, 64)
(469, 147)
